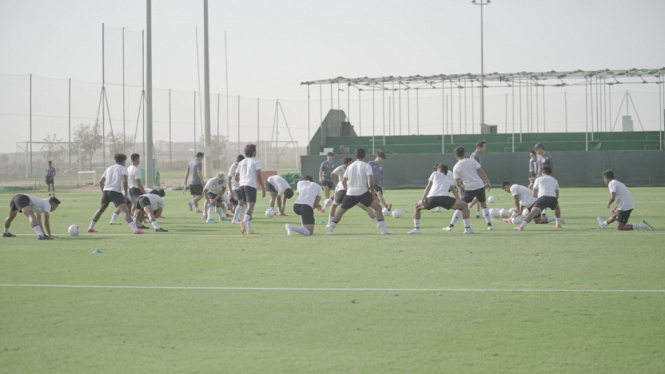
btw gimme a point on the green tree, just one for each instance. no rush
(119, 143)
(89, 140)
(54, 149)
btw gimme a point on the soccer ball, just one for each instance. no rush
(327, 203)
(270, 213)
(73, 230)
(397, 213)
(504, 213)
(385, 211)
(525, 212)
(491, 199)
(517, 220)
(495, 212)
(511, 211)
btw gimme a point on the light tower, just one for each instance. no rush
(482, 3)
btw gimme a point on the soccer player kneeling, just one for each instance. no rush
(625, 204)
(546, 188)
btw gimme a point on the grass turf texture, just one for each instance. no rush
(500, 301)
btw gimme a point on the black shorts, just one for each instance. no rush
(305, 212)
(134, 192)
(350, 201)
(478, 194)
(49, 180)
(445, 202)
(546, 202)
(211, 195)
(247, 194)
(196, 189)
(234, 200)
(378, 189)
(112, 196)
(19, 202)
(623, 215)
(270, 187)
(339, 196)
(142, 202)
(329, 184)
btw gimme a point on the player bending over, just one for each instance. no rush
(29, 205)
(625, 205)
(523, 200)
(152, 205)
(280, 190)
(215, 198)
(436, 195)
(546, 188)
(309, 196)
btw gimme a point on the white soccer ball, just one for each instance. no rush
(525, 212)
(270, 213)
(491, 199)
(504, 213)
(511, 211)
(517, 220)
(73, 230)
(495, 212)
(385, 211)
(397, 213)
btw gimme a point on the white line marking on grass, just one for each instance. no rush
(314, 289)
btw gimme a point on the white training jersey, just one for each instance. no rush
(247, 169)
(307, 192)
(39, 205)
(339, 187)
(133, 173)
(624, 199)
(279, 183)
(525, 195)
(156, 201)
(546, 185)
(466, 169)
(450, 176)
(441, 184)
(214, 186)
(232, 176)
(113, 175)
(356, 175)
(339, 172)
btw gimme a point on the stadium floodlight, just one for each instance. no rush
(482, 62)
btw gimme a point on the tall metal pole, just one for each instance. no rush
(29, 174)
(69, 116)
(207, 160)
(309, 122)
(228, 126)
(170, 143)
(482, 3)
(149, 165)
(124, 131)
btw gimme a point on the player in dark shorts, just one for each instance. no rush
(50, 175)
(32, 207)
(436, 195)
(325, 174)
(309, 196)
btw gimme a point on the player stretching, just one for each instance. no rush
(247, 175)
(481, 146)
(234, 189)
(112, 184)
(214, 194)
(377, 169)
(325, 175)
(546, 188)
(436, 195)
(359, 185)
(472, 181)
(280, 190)
(625, 205)
(309, 196)
(152, 205)
(32, 207)
(523, 200)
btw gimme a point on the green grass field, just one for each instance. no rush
(202, 298)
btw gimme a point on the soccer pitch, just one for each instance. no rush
(203, 298)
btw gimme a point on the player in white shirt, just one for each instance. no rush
(113, 183)
(340, 192)
(309, 196)
(524, 199)
(358, 182)
(248, 176)
(152, 205)
(472, 181)
(436, 195)
(546, 189)
(234, 190)
(625, 205)
(32, 207)
(280, 190)
(215, 198)
(136, 188)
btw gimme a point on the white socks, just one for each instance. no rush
(248, 221)
(92, 225)
(155, 225)
(114, 217)
(416, 223)
(133, 225)
(488, 217)
(467, 223)
(211, 209)
(39, 231)
(456, 216)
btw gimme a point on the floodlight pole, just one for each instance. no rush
(149, 156)
(207, 161)
(482, 63)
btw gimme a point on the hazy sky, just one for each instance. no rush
(273, 46)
